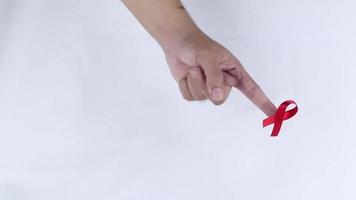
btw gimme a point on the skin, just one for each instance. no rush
(203, 68)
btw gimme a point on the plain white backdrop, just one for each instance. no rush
(88, 108)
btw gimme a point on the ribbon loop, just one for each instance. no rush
(280, 116)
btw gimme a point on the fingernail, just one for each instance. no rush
(217, 94)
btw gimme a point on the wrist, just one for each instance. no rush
(175, 33)
(183, 36)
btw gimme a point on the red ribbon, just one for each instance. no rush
(280, 116)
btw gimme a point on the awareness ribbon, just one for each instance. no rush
(280, 115)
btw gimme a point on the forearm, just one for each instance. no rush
(166, 20)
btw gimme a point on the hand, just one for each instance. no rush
(205, 69)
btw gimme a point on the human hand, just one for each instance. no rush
(202, 67)
(205, 69)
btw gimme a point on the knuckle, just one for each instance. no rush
(202, 98)
(251, 93)
(239, 78)
(187, 98)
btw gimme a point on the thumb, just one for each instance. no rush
(214, 81)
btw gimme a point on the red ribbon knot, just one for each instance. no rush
(280, 115)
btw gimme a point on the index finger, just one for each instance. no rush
(246, 84)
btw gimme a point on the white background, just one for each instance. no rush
(88, 108)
